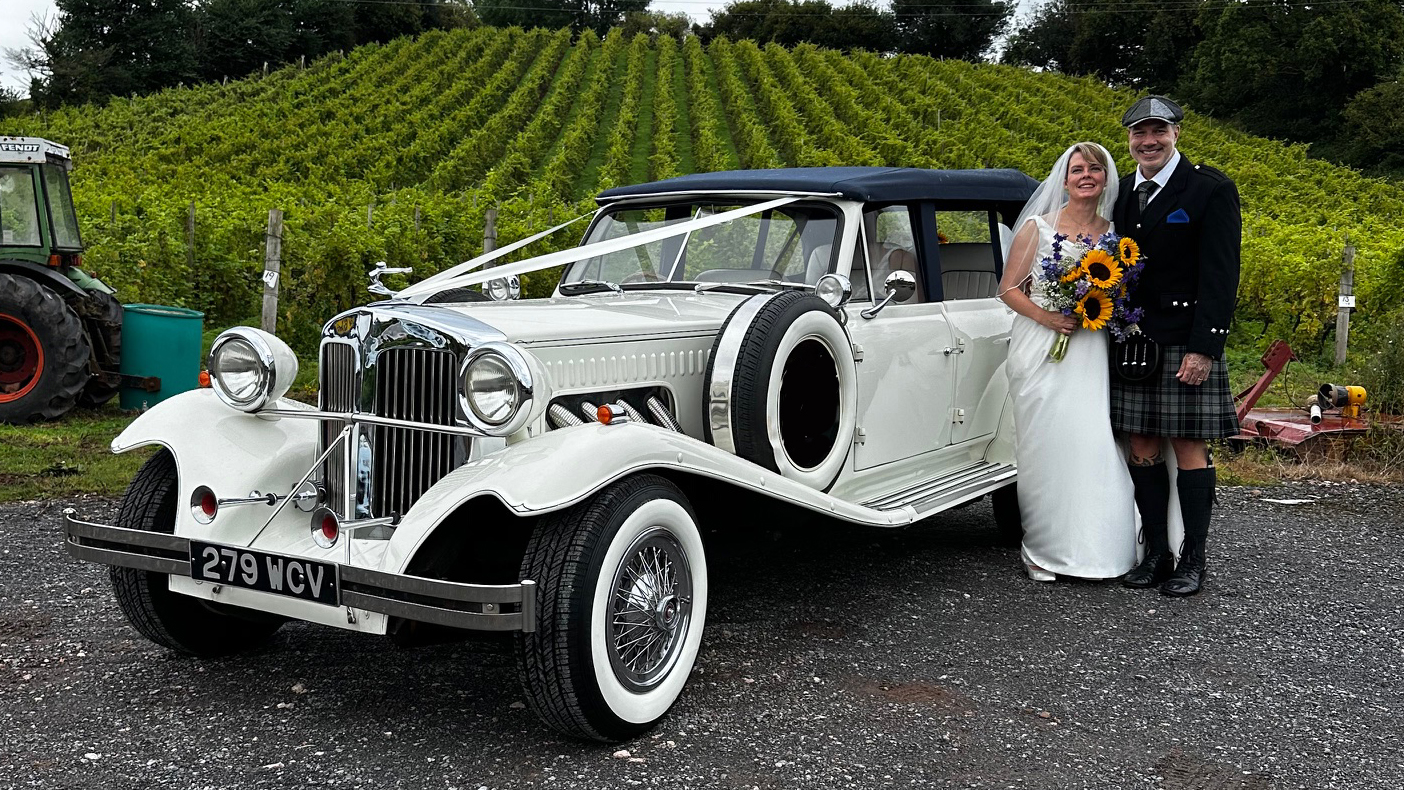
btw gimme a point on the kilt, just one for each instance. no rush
(1162, 406)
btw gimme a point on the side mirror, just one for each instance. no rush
(900, 287)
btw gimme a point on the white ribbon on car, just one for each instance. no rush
(461, 277)
(432, 284)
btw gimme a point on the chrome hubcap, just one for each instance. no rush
(649, 610)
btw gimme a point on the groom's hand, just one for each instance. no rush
(1194, 369)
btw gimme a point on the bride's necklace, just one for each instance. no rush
(1083, 229)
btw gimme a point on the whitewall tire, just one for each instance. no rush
(621, 605)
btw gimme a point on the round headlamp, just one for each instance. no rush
(249, 367)
(835, 289)
(496, 389)
(503, 288)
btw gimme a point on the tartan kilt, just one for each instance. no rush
(1162, 406)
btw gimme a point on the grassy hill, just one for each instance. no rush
(394, 152)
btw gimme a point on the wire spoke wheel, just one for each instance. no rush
(650, 610)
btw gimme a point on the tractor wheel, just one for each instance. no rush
(104, 322)
(43, 352)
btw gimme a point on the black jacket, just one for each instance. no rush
(1190, 237)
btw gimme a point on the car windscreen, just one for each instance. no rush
(792, 243)
(19, 213)
(61, 215)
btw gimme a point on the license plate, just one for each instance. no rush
(271, 573)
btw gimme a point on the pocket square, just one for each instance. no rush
(1179, 217)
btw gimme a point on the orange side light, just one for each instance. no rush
(604, 415)
(55, 260)
(204, 379)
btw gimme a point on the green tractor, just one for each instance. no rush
(60, 329)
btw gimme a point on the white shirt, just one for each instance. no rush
(1161, 179)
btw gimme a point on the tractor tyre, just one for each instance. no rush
(43, 352)
(104, 322)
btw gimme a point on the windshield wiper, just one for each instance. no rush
(776, 284)
(589, 287)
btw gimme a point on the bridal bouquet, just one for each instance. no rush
(1095, 286)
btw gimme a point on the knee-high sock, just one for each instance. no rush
(1152, 486)
(1196, 489)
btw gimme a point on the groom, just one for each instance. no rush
(1186, 219)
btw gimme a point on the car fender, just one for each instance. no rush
(232, 452)
(563, 467)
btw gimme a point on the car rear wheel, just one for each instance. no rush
(622, 599)
(179, 622)
(1005, 502)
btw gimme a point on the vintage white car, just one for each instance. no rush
(825, 338)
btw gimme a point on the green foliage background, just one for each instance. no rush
(447, 124)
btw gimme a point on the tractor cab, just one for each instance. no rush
(60, 329)
(37, 221)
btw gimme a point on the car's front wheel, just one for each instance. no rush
(179, 622)
(621, 602)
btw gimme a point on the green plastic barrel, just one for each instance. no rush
(161, 343)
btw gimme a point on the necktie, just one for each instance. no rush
(1144, 192)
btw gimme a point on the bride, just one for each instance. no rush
(1075, 493)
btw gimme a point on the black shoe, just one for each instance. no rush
(1153, 570)
(1188, 578)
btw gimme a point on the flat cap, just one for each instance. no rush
(1149, 108)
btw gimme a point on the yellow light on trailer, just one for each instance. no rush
(1349, 399)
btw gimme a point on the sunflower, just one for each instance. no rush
(1130, 252)
(1102, 269)
(1095, 309)
(1074, 274)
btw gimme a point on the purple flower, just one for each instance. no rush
(1082, 288)
(1135, 316)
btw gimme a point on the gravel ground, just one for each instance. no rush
(842, 658)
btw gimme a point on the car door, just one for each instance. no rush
(970, 259)
(905, 376)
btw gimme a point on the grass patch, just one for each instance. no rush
(69, 457)
(1376, 457)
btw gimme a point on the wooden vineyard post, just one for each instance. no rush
(416, 219)
(490, 230)
(370, 214)
(1345, 303)
(272, 265)
(190, 238)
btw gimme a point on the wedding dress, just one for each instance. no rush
(1075, 493)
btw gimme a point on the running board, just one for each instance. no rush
(960, 486)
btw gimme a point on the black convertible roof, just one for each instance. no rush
(869, 184)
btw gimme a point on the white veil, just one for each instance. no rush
(1051, 196)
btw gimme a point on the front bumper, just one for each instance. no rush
(477, 607)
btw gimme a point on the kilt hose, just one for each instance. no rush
(1162, 406)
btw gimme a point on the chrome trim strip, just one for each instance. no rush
(475, 621)
(724, 370)
(371, 419)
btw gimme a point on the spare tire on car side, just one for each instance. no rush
(782, 387)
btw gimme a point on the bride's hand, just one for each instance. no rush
(1062, 324)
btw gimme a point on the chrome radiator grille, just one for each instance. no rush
(338, 393)
(411, 384)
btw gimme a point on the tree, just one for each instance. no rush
(236, 37)
(963, 30)
(859, 25)
(657, 23)
(106, 47)
(1285, 69)
(553, 14)
(1147, 51)
(1374, 125)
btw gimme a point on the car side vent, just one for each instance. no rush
(648, 406)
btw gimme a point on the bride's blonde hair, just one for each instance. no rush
(1092, 153)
